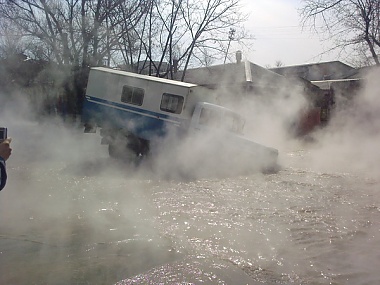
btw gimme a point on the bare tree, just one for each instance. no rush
(76, 32)
(278, 63)
(184, 32)
(352, 23)
(158, 33)
(10, 40)
(73, 34)
(208, 23)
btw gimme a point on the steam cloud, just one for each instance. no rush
(58, 175)
(350, 142)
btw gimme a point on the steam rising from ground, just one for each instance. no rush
(350, 143)
(60, 176)
(347, 143)
(269, 119)
(66, 201)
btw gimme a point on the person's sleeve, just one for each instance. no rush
(3, 174)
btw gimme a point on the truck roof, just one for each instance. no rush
(145, 77)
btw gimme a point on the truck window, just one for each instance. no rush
(171, 103)
(224, 120)
(210, 117)
(233, 123)
(132, 95)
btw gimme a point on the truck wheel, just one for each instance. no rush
(129, 148)
(122, 152)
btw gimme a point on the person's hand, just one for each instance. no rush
(5, 149)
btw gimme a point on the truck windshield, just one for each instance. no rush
(222, 119)
(233, 122)
(210, 117)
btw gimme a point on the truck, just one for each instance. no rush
(135, 111)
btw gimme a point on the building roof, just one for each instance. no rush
(317, 71)
(144, 77)
(229, 74)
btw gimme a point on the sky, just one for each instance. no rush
(276, 27)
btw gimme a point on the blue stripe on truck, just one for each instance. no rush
(134, 109)
(143, 123)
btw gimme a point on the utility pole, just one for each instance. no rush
(231, 34)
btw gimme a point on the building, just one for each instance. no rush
(320, 83)
(317, 71)
(244, 79)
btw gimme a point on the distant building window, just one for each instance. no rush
(171, 103)
(132, 95)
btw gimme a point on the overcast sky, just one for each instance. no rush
(275, 24)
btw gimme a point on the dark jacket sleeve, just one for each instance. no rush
(3, 174)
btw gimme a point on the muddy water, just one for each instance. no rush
(86, 219)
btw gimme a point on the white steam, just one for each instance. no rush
(351, 140)
(67, 200)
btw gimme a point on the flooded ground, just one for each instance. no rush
(71, 215)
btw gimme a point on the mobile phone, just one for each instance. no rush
(3, 134)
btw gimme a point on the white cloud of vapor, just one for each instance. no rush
(350, 141)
